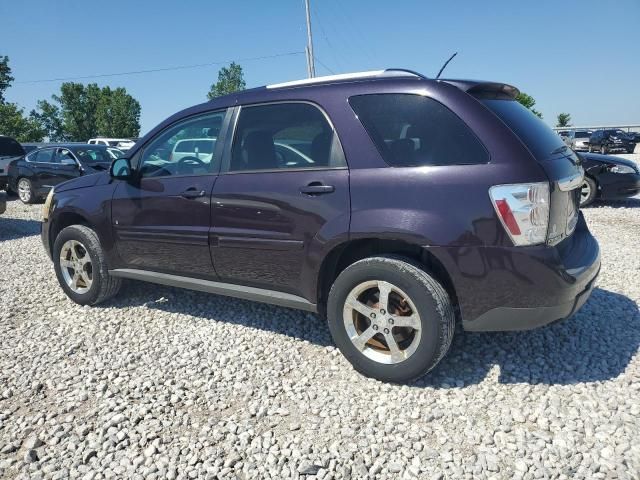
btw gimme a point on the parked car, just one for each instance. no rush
(605, 141)
(198, 149)
(115, 152)
(35, 174)
(425, 202)
(608, 178)
(10, 150)
(578, 140)
(123, 144)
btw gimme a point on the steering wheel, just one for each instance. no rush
(185, 160)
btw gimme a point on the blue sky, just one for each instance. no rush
(561, 52)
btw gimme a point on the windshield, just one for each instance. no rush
(541, 140)
(10, 148)
(583, 134)
(93, 155)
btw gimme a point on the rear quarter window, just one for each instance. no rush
(537, 136)
(413, 130)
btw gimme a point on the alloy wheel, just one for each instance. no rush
(382, 322)
(76, 266)
(585, 192)
(24, 190)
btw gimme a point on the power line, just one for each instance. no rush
(323, 64)
(329, 44)
(164, 69)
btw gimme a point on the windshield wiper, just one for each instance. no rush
(561, 149)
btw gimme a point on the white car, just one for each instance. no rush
(200, 148)
(123, 144)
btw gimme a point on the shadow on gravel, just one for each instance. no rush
(596, 344)
(281, 320)
(12, 228)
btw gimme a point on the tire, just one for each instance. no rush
(96, 285)
(589, 191)
(419, 349)
(603, 149)
(25, 191)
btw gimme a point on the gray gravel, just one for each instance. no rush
(165, 383)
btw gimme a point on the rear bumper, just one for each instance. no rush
(521, 288)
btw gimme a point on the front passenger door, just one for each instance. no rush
(67, 167)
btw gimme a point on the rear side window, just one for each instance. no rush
(284, 136)
(413, 130)
(532, 131)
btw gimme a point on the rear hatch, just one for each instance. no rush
(559, 162)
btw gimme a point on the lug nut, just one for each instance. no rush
(373, 315)
(386, 330)
(375, 327)
(391, 321)
(382, 311)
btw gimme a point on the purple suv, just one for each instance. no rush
(390, 203)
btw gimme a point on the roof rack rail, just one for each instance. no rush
(389, 72)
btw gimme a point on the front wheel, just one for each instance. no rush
(390, 318)
(81, 267)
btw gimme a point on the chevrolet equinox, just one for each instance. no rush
(392, 204)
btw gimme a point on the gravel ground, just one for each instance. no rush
(165, 383)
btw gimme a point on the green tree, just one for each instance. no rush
(118, 114)
(78, 106)
(48, 116)
(14, 123)
(5, 77)
(564, 120)
(528, 101)
(229, 80)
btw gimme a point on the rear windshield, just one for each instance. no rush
(10, 148)
(541, 140)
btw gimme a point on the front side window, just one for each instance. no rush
(186, 148)
(284, 136)
(413, 130)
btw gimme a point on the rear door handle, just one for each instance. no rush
(192, 193)
(317, 188)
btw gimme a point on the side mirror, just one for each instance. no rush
(121, 169)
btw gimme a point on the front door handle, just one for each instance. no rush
(192, 193)
(317, 188)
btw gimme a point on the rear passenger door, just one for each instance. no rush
(283, 192)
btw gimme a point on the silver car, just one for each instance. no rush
(577, 140)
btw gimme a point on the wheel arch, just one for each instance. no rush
(64, 220)
(349, 252)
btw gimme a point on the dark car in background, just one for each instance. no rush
(605, 141)
(33, 175)
(608, 178)
(415, 204)
(10, 150)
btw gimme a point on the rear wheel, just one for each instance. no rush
(390, 318)
(81, 267)
(588, 192)
(25, 191)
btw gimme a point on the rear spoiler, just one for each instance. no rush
(481, 89)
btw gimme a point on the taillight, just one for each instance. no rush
(523, 210)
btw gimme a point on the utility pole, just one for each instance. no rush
(311, 67)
